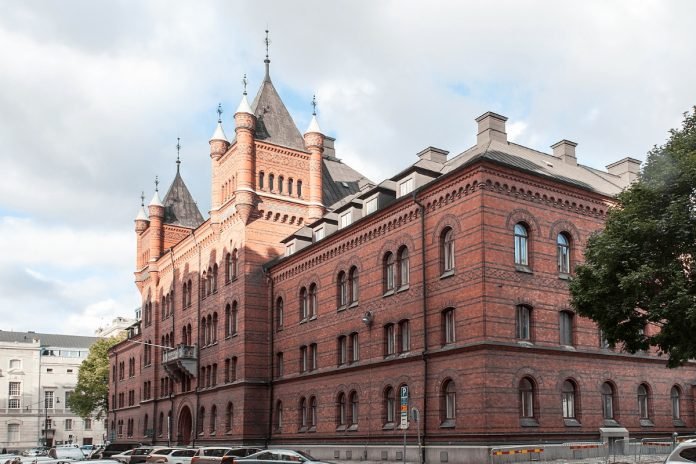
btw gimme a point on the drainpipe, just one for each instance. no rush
(424, 416)
(198, 339)
(269, 281)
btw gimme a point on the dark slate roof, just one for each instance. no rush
(339, 180)
(57, 340)
(273, 122)
(179, 207)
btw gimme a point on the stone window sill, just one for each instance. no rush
(571, 422)
(564, 276)
(353, 304)
(646, 423)
(388, 293)
(447, 273)
(388, 426)
(403, 288)
(448, 424)
(523, 268)
(529, 422)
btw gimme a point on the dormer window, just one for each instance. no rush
(318, 234)
(346, 219)
(371, 206)
(290, 249)
(406, 187)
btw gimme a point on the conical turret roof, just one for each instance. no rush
(274, 123)
(179, 207)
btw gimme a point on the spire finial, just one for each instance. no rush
(314, 105)
(244, 83)
(156, 184)
(142, 199)
(219, 112)
(267, 61)
(267, 41)
(178, 148)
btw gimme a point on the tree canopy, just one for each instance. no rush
(92, 391)
(638, 281)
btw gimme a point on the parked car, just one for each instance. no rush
(171, 456)
(209, 455)
(684, 452)
(87, 449)
(232, 455)
(141, 453)
(66, 452)
(123, 457)
(280, 456)
(116, 448)
(39, 451)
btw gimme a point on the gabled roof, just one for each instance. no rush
(339, 180)
(56, 340)
(179, 207)
(273, 122)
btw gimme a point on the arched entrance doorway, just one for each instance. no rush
(184, 427)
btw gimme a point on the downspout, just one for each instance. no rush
(272, 373)
(171, 385)
(198, 339)
(424, 415)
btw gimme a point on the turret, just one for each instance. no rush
(156, 210)
(218, 147)
(141, 224)
(245, 124)
(314, 143)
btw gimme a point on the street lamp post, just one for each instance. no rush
(45, 439)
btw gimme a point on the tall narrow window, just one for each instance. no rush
(643, 402)
(213, 419)
(341, 413)
(342, 290)
(566, 328)
(303, 358)
(280, 368)
(354, 285)
(228, 321)
(449, 403)
(261, 177)
(235, 263)
(675, 395)
(201, 420)
(271, 180)
(304, 309)
(303, 413)
(354, 347)
(280, 184)
(403, 267)
(313, 413)
(313, 357)
(389, 272)
(279, 319)
(568, 399)
(389, 405)
(448, 326)
(228, 267)
(563, 251)
(523, 322)
(526, 398)
(233, 318)
(279, 415)
(404, 337)
(342, 350)
(312, 300)
(354, 408)
(299, 189)
(389, 340)
(607, 401)
(521, 251)
(290, 186)
(215, 277)
(447, 250)
(229, 415)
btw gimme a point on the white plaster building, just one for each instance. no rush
(37, 373)
(118, 326)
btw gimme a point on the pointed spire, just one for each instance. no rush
(156, 201)
(244, 106)
(314, 124)
(178, 149)
(142, 215)
(219, 134)
(267, 61)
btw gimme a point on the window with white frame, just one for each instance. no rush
(406, 186)
(371, 206)
(318, 234)
(289, 248)
(12, 433)
(15, 364)
(346, 219)
(48, 399)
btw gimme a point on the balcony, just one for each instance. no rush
(181, 361)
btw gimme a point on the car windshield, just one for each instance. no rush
(215, 452)
(163, 451)
(142, 451)
(305, 455)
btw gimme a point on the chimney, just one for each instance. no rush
(434, 154)
(565, 150)
(628, 169)
(491, 127)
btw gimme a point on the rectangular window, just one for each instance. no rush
(68, 424)
(448, 328)
(48, 399)
(346, 219)
(14, 403)
(318, 234)
(566, 328)
(371, 206)
(342, 350)
(15, 388)
(389, 340)
(303, 359)
(290, 249)
(355, 348)
(313, 356)
(406, 187)
(12, 433)
(279, 364)
(523, 323)
(404, 337)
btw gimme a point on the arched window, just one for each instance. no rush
(290, 186)
(189, 340)
(354, 408)
(184, 295)
(235, 263)
(447, 250)
(228, 267)
(643, 401)
(303, 413)
(404, 336)
(163, 308)
(563, 251)
(189, 298)
(279, 415)
(233, 318)
(342, 290)
(214, 330)
(354, 285)
(229, 415)
(523, 319)
(213, 419)
(449, 402)
(389, 339)
(233, 369)
(313, 413)
(146, 424)
(403, 267)
(675, 397)
(568, 399)
(160, 426)
(204, 331)
(607, 401)
(279, 314)
(271, 180)
(566, 328)
(521, 245)
(526, 389)
(201, 420)
(304, 309)
(228, 320)
(341, 413)
(312, 300)
(389, 405)
(448, 326)
(280, 184)
(389, 272)
(261, 176)
(209, 334)
(215, 276)
(299, 189)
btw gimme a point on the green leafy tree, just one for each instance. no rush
(638, 281)
(92, 391)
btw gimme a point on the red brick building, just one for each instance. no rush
(299, 309)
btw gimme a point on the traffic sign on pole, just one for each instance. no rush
(404, 407)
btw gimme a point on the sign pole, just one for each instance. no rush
(404, 415)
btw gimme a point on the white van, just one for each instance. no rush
(66, 452)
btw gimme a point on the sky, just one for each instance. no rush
(93, 96)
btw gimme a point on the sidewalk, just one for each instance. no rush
(628, 459)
